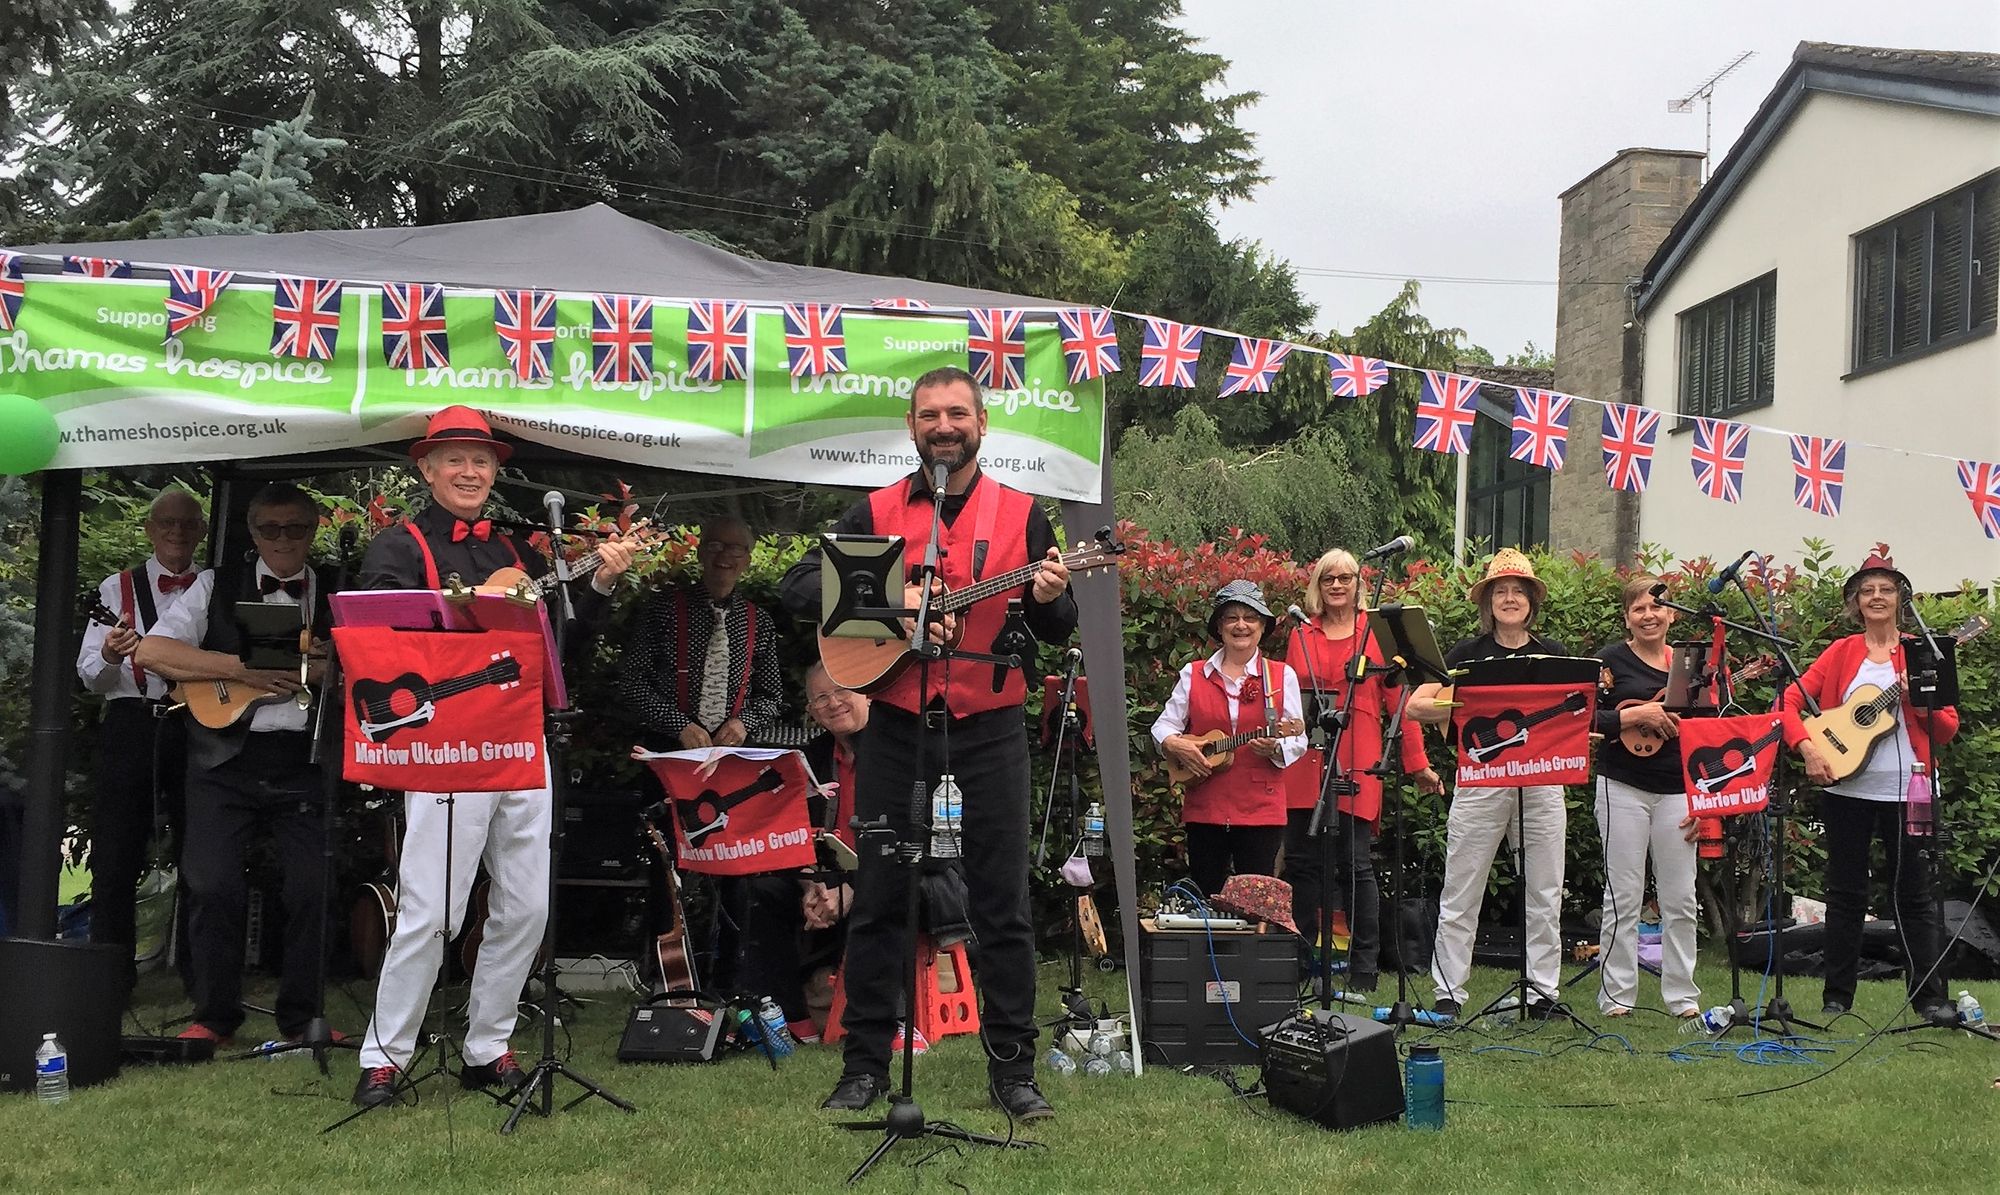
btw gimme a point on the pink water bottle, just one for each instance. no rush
(1919, 814)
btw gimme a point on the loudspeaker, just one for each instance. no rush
(1204, 994)
(601, 838)
(71, 990)
(1337, 1069)
(672, 1034)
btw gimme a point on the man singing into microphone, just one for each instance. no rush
(459, 460)
(988, 529)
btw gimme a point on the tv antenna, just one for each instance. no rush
(1705, 92)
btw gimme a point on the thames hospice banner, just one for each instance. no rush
(95, 352)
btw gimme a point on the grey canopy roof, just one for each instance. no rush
(592, 249)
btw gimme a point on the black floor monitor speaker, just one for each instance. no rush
(68, 989)
(1338, 1069)
(657, 1032)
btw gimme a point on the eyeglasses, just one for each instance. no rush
(1338, 579)
(194, 524)
(276, 531)
(721, 548)
(825, 700)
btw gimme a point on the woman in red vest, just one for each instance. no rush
(1235, 815)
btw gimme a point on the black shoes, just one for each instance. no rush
(376, 1088)
(1445, 1007)
(855, 1093)
(502, 1071)
(1833, 1008)
(1542, 1010)
(1021, 1099)
(1939, 1012)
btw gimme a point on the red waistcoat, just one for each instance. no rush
(1251, 792)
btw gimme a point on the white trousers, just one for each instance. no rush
(1479, 819)
(1632, 823)
(510, 832)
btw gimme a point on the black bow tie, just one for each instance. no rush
(267, 585)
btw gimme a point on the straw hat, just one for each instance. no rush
(1510, 562)
(459, 425)
(1238, 593)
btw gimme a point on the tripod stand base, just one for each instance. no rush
(1528, 1005)
(441, 1044)
(543, 1080)
(905, 1121)
(1957, 1024)
(317, 1037)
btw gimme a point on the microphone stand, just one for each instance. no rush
(1076, 1006)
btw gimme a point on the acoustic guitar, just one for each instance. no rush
(215, 703)
(1219, 747)
(871, 665)
(1849, 733)
(670, 947)
(1643, 741)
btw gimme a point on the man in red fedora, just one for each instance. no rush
(460, 459)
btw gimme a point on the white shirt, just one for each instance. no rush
(188, 622)
(1173, 718)
(115, 680)
(1886, 775)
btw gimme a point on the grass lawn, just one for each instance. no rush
(1914, 1112)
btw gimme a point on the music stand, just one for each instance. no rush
(861, 586)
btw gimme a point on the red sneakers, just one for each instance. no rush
(377, 1087)
(200, 1032)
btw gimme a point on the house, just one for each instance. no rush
(1835, 277)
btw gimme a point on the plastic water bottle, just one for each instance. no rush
(947, 811)
(51, 1071)
(1059, 1062)
(1093, 830)
(1121, 1064)
(1423, 1076)
(1503, 1016)
(1097, 1066)
(776, 1035)
(1919, 812)
(1969, 1012)
(269, 1051)
(1102, 1044)
(1711, 1020)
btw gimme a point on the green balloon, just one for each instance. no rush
(27, 435)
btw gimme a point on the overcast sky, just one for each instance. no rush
(1431, 138)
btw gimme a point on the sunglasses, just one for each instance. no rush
(276, 531)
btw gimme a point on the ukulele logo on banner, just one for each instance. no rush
(1728, 763)
(737, 812)
(1515, 735)
(442, 712)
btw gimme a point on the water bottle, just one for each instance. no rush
(1919, 812)
(1711, 1020)
(776, 1035)
(1121, 1064)
(1093, 830)
(1969, 1012)
(1102, 1044)
(1423, 1076)
(51, 1071)
(269, 1050)
(1503, 1016)
(1097, 1066)
(1059, 1062)
(947, 810)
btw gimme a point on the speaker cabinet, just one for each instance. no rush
(1202, 995)
(1337, 1069)
(69, 989)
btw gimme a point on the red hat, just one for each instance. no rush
(459, 425)
(1878, 561)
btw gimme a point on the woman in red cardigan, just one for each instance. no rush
(1869, 803)
(1321, 653)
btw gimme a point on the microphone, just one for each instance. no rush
(1073, 657)
(1721, 580)
(348, 531)
(940, 477)
(1394, 547)
(1659, 592)
(553, 503)
(1296, 614)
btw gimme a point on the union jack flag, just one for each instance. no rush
(97, 267)
(1169, 353)
(815, 341)
(1355, 376)
(997, 343)
(621, 338)
(1981, 482)
(718, 341)
(13, 289)
(413, 335)
(525, 321)
(1628, 435)
(901, 304)
(1089, 343)
(1819, 474)
(1541, 427)
(1717, 458)
(305, 318)
(1445, 412)
(190, 292)
(1252, 365)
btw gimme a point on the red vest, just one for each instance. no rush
(997, 517)
(1361, 746)
(1251, 791)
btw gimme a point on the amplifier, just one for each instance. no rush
(669, 1033)
(1189, 996)
(1338, 1069)
(601, 837)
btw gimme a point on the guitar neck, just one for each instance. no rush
(1234, 741)
(972, 595)
(579, 568)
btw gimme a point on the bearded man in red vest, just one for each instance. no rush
(988, 529)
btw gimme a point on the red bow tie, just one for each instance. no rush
(296, 587)
(483, 529)
(175, 584)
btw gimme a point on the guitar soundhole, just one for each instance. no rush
(1864, 717)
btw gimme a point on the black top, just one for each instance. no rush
(1486, 647)
(393, 560)
(672, 640)
(1633, 679)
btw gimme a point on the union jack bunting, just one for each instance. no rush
(1089, 343)
(996, 341)
(1717, 458)
(1252, 365)
(1819, 474)
(815, 341)
(1541, 427)
(97, 267)
(13, 289)
(1981, 482)
(621, 338)
(1446, 411)
(718, 341)
(1355, 377)
(900, 304)
(525, 321)
(190, 293)
(1628, 435)
(413, 335)
(305, 318)
(1168, 353)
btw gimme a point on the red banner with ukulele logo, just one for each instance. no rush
(1728, 762)
(442, 712)
(737, 810)
(1511, 736)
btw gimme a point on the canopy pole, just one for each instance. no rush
(50, 685)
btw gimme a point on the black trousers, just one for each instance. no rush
(1216, 852)
(269, 785)
(133, 747)
(1852, 826)
(1355, 888)
(989, 758)
(777, 951)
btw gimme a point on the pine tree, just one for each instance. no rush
(269, 191)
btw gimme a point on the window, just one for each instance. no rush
(1506, 501)
(1726, 350)
(1928, 278)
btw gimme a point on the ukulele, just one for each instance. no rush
(1219, 747)
(871, 665)
(1643, 741)
(670, 946)
(1713, 767)
(1849, 733)
(215, 703)
(410, 701)
(515, 583)
(1484, 738)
